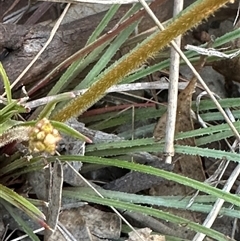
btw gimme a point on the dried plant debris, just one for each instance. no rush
(146, 235)
(88, 224)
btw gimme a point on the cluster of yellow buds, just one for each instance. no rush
(43, 137)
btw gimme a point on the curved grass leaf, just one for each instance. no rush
(149, 145)
(70, 131)
(233, 199)
(201, 203)
(6, 83)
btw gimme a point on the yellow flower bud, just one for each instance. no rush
(43, 137)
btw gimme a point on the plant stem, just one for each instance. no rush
(173, 92)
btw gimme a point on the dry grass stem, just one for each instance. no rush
(115, 88)
(173, 92)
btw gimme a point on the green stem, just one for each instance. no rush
(149, 48)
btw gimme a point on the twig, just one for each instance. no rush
(237, 15)
(66, 234)
(172, 93)
(25, 235)
(115, 88)
(211, 52)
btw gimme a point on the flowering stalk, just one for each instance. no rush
(190, 18)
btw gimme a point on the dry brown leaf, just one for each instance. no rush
(186, 165)
(89, 224)
(191, 166)
(160, 128)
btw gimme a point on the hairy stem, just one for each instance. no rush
(190, 18)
